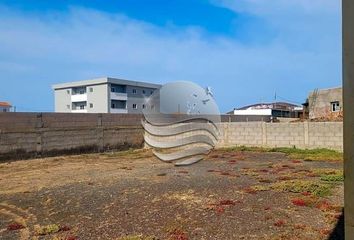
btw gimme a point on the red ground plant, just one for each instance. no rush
(225, 173)
(296, 161)
(219, 209)
(325, 231)
(14, 226)
(249, 190)
(71, 238)
(178, 234)
(324, 206)
(299, 202)
(227, 202)
(64, 228)
(280, 223)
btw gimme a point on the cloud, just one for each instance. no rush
(282, 7)
(39, 50)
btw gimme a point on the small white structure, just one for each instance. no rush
(277, 109)
(5, 107)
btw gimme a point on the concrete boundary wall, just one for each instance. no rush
(305, 135)
(24, 135)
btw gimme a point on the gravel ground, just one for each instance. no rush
(132, 195)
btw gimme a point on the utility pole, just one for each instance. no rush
(348, 97)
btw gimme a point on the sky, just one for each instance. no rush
(245, 50)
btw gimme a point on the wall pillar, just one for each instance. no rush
(348, 96)
(264, 134)
(306, 134)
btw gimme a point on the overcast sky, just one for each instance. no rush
(245, 50)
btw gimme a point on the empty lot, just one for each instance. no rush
(131, 195)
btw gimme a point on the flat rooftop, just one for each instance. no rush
(104, 80)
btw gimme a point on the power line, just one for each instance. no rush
(288, 100)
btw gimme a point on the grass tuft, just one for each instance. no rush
(49, 229)
(295, 153)
(332, 178)
(299, 186)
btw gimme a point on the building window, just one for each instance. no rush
(151, 92)
(91, 105)
(335, 107)
(135, 106)
(68, 91)
(143, 91)
(134, 91)
(82, 107)
(113, 105)
(143, 106)
(91, 89)
(113, 89)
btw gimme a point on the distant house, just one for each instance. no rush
(325, 103)
(276, 110)
(5, 107)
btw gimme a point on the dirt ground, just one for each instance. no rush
(132, 195)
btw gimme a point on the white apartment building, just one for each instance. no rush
(102, 95)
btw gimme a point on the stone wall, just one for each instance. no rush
(301, 135)
(25, 135)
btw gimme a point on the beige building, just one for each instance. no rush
(325, 103)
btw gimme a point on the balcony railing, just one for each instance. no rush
(79, 111)
(119, 110)
(119, 96)
(79, 98)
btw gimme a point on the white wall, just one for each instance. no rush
(62, 99)
(257, 112)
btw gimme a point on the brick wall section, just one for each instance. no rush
(25, 135)
(326, 134)
(247, 134)
(301, 135)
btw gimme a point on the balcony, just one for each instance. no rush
(79, 98)
(119, 110)
(79, 111)
(119, 96)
